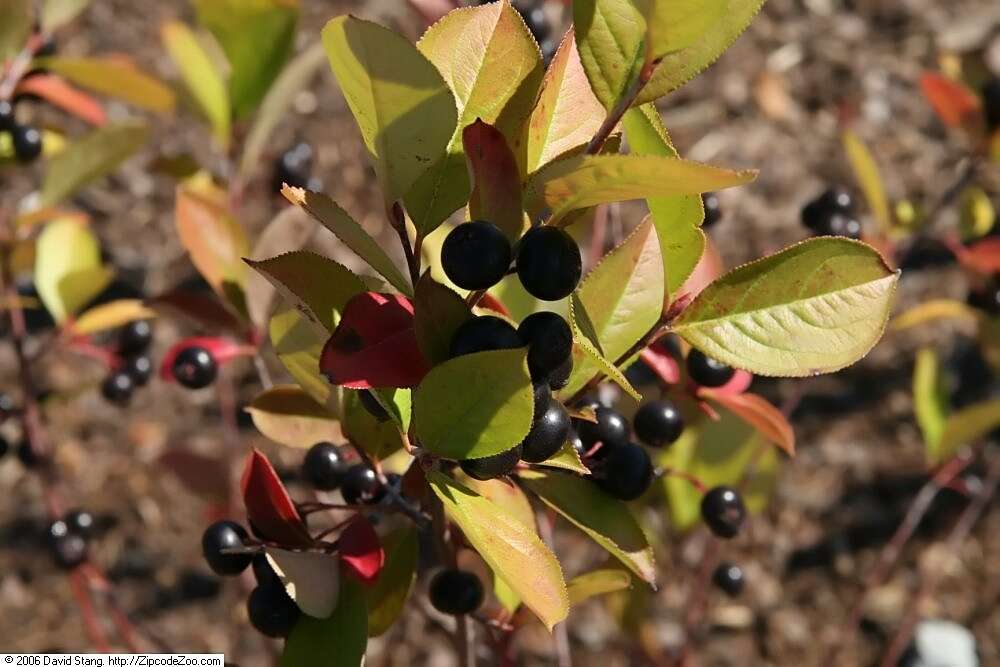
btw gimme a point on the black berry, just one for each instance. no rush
(263, 573)
(713, 208)
(548, 433)
(490, 467)
(706, 371)
(140, 369)
(293, 167)
(818, 213)
(271, 611)
(729, 579)
(371, 404)
(223, 535)
(476, 255)
(324, 466)
(611, 428)
(723, 510)
(456, 592)
(117, 388)
(484, 333)
(69, 550)
(658, 423)
(195, 367)
(550, 347)
(843, 224)
(991, 102)
(27, 142)
(81, 522)
(549, 263)
(573, 438)
(626, 472)
(134, 338)
(4, 446)
(7, 120)
(360, 485)
(27, 456)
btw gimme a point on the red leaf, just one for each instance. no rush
(374, 345)
(708, 268)
(954, 104)
(982, 256)
(757, 412)
(492, 303)
(269, 507)
(360, 549)
(56, 91)
(496, 195)
(222, 349)
(659, 359)
(202, 308)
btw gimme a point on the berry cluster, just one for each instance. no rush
(832, 214)
(294, 167)
(27, 140)
(67, 538)
(326, 468)
(136, 367)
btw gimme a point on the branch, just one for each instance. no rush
(623, 105)
(398, 219)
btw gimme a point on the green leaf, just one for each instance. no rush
(815, 307)
(493, 67)
(475, 405)
(201, 77)
(404, 109)
(15, 27)
(57, 13)
(512, 550)
(380, 439)
(677, 218)
(317, 286)
(115, 76)
(68, 269)
(437, 314)
(593, 354)
(567, 113)
(867, 174)
(581, 181)
(257, 37)
(623, 298)
(387, 596)
(609, 35)
(298, 345)
(89, 158)
(112, 315)
(290, 229)
(597, 582)
(676, 69)
(607, 521)
(966, 426)
(337, 641)
(290, 416)
(674, 25)
(930, 399)
(293, 79)
(344, 227)
(566, 458)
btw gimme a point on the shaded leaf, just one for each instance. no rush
(361, 550)
(759, 413)
(386, 599)
(269, 507)
(496, 192)
(298, 346)
(659, 359)
(608, 521)
(289, 230)
(966, 426)
(201, 308)
(867, 174)
(91, 157)
(214, 240)
(57, 13)
(475, 405)
(978, 218)
(111, 315)
(337, 641)
(438, 312)
(290, 416)
(812, 308)
(68, 269)
(58, 93)
(115, 76)
(930, 399)
(593, 354)
(311, 578)
(597, 582)
(380, 439)
(513, 551)
(200, 76)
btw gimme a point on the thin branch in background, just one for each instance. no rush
(83, 600)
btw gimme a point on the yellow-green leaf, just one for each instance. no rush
(930, 399)
(867, 174)
(674, 25)
(380, 439)
(68, 268)
(812, 308)
(609, 35)
(966, 426)
(934, 309)
(215, 241)
(597, 582)
(512, 550)
(201, 77)
(290, 416)
(115, 76)
(112, 315)
(566, 458)
(337, 641)
(89, 158)
(298, 345)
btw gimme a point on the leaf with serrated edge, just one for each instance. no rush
(930, 399)
(298, 346)
(405, 111)
(966, 426)
(387, 597)
(92, 156)
(608, 521)
(623, 298)
(674, 25)
(290, 416)
(812, 308)
(111, 315)
(345, 228)
(200, 75)
(310, 578)
(581, 181)
(514, 552)
(566, 458)
(116, 76)
(597, 582)
(869, 179)
(475, 405)
(289, 230)
(496, 192)
(437, 314)
(677, 218)
(68, 271)
(337, 641)
(609, 35)
(604, 366)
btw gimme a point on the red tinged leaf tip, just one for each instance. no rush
(221, 349)
(954, 104)
(269, 507)
(360, 550)
(661, 362)
(490, 302)
(982, 256)
(496, 192)
(375, 345)
(758, 413)
(57, 92)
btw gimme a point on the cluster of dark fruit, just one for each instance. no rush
(194, 367)
(987, 297)
(67, 538)
(294, 167)
(326, 468)
(27, 140)
(136, 367)
(832, 214)
(224, 546)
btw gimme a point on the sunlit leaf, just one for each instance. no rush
(609, 35)
(337, 641)
(115, 76)
(111, 315)
(597, 582)
(953, 102)
(675, 25)
(91, 157)
(930, 399)
(57, 92)
(289, 230)
(68, 268)
(298, 345)
(290, 416)
(966, 426)
(869, 179)
(566, 458)
(311, 578)
(200, 75)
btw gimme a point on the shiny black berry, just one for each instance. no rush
(548, 433)
(481, 334)
(817, 213)
(706, 371)
(4, 446)
(324, 466)
(658, 423)
(68, 550)
(476, 255)
(611, 428)
(549, 263)
(195, 367)
(117, 388)
(140, 369)
(490, 467)
(271, 611)
(573, 438)
(371, 404)
(361, 486)
(134, 338)
(626, 472)
(729, 578)
(713, 208)
(27, 142)
(842, 224)
(293, 167)
(991, 102)
(456, 592)
(550, 347)
(81, 522)
(723, 511)
(223, 535)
